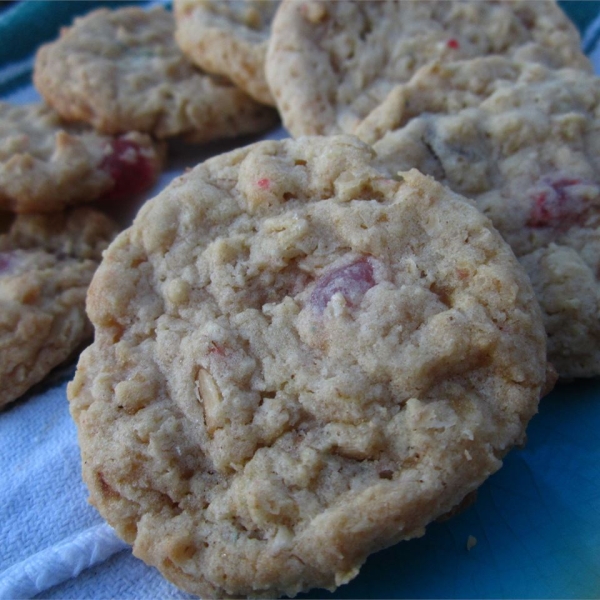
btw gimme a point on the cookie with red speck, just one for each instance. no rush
(47, 164)
(121, 70)
(299, 360)
(46, 265)
(521, 140)
(329, 64)
(229, 38)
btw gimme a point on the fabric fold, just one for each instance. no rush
(58, 563)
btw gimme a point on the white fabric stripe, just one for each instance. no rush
(590, 32)
(16, 69)
(54, 565)
(594, 56)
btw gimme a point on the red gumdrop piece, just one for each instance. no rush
(557, 205)
(263, 183)
(453, 43)
(131, 171)
(352, 281)
(216, 349)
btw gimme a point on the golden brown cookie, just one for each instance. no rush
(329, 64)
(47, 164)
(228, 37)
(46, 265)
(299, 360)
(521, 140)
(121, 70)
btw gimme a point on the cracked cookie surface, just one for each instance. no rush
(299, 361)
(47, 164)
(521, 140)
(46, 265)
(228, 37)
(329, 64)
(122, 70)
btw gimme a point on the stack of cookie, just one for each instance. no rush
(49, 248)
(116, 86)
(528, 157)
(307, 350)
(513, 127)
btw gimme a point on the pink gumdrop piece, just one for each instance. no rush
(264, 184)
(556, 205)
(352, 281)
(131, 171)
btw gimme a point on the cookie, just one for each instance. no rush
(122, 70)
(299, 361)
(529, 157)
(47, 164)
(329, 64)
(228, 37)
(46, 265)
(444, 87)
